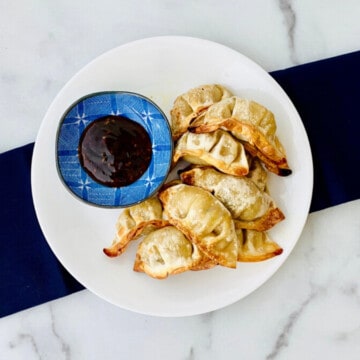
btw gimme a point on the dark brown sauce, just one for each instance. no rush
(115, 151)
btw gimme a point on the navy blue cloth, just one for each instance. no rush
(325, 93)
(30, 274)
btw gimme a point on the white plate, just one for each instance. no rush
(162, 68)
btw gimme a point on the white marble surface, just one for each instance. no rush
(310, 309)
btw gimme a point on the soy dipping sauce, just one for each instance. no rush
(115, 151)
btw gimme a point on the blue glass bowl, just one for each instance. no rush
(134, 107)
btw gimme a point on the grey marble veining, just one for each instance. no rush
(289, 14)
(64, 346)
(283, 337)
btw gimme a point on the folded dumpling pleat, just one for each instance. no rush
(250, 207)
(166, 251)
(204, 220)
(133, 221)
(256, 246)
(219, 149)
(251, 123)
(191, 104)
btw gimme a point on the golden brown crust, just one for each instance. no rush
(218, 149)
(166, 251)
(204, 220)
(281, 169)
(257, 174)
(205, 263)
(272, 217)
(250, 122)
(218, 212)
(119, 247)
(249, 206)
(256, 246)
(193, 103)
(132, 222)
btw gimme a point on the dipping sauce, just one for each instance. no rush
(115, 151)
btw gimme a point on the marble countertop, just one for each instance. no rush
(310, 309)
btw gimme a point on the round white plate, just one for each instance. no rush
(161, 68)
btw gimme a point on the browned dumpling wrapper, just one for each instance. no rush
(205, 262)
(250, 207)
(254, 246)
(219, 149)
(166, 251)
(133, 221)
(191, 104)
(257, 174)
(204, 220)
(250, 122)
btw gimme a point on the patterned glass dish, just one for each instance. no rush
(126, 104)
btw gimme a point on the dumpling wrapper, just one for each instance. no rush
(257, 174)
(254, 246)
(166, 251)
(204, 220)
(219, 149)
(251, 123)
(134, 221)
(250, 207)
(191, 104)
